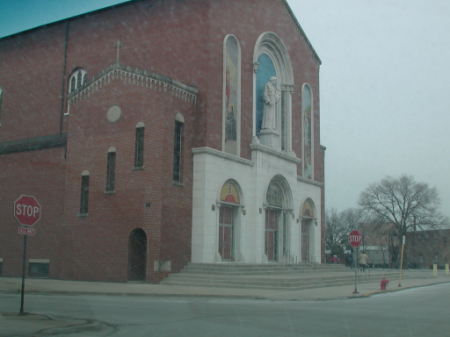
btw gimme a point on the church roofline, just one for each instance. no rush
(118, 71)
(126, 2)
(302, 32)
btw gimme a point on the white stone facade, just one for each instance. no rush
(213, 168)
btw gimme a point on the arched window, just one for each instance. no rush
(308, 132)
(177, 147)
(77, 79)
(84, 192)
(231, 110)
(111, 170)
(273, 86)
(1, 92)
(139, 145)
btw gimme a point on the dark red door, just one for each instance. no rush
(226, 233)
(137, 253)
(271, 235)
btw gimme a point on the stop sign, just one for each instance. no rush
(355, 239)
(27, 210)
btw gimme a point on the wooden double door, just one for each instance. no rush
(226, 233)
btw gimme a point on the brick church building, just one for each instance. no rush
(156, 133)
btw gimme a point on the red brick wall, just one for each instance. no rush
(112, 217)
(31, 74)
(40, 174)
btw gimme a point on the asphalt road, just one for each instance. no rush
(413, 312)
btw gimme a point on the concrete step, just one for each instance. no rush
(268, 276)
(293, 286)
(237, 269)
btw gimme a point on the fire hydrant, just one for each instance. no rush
(383, 283)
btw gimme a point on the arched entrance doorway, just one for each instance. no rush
(137, 255)
(307, 231)
(276, 238)
(228, 221)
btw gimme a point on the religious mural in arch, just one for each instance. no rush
(229, 193)
(308, 210)
(307, 132)
(274, 197)
(231, 98)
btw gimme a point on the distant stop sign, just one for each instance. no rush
(27, 210)
(355, 239)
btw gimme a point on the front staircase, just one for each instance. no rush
(270, 276)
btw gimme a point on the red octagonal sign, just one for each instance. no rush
(27, 210)
(355, 239)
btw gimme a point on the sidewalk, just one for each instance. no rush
(411, 278)
(45, 325)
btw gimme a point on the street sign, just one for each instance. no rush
(355, 239)
(26, 231)
(27, 210)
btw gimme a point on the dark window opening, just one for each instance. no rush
(38, 269)
(139, 148)
(1, 93)
(84, 194)
(111, 172)
(73, 84)
(177, 152)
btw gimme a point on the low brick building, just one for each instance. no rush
(155, 133)
(425, 248)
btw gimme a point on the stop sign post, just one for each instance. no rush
(27, 212)
(355, 240)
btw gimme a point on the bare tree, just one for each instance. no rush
(335, 231)
(339, 225)
(403, 202)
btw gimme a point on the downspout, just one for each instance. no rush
(61, 114)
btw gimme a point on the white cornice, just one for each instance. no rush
(217, 153)
(283, 155)
(311, 182)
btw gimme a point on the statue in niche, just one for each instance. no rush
(271, 97)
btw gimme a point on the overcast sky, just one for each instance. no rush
(384, 91)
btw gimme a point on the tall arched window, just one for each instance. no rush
(111, 170)
(139, 145)
(272, 90)
(231, 95)
(308, 132)
(77, 79)
(177, 148)
(84, 192)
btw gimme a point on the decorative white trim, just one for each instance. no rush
(134, 76)
(112, 149)
(213, 152)
(179, 118)
(85, 173)
(140, 125)
(38, 260)
(283, 155)
(311, 182)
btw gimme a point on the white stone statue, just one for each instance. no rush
(271, 97)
